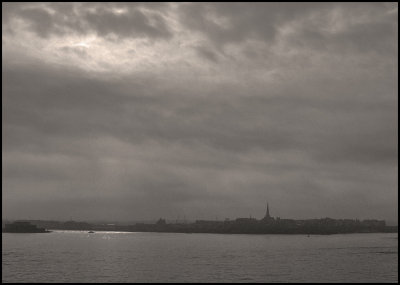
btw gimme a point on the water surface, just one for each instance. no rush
(76, 256)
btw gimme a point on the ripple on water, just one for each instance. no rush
(146, 257)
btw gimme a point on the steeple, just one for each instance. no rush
(267, 214)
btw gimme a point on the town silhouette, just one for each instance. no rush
(267, 225)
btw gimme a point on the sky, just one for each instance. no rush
(135, 111)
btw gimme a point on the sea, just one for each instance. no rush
(79, 256)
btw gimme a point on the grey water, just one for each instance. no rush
(77, 256)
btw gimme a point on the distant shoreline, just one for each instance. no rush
(250, 226)
(251, 234)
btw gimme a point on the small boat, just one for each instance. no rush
(91, 232)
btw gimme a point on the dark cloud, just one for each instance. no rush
(377, 32)
(134, 24)
(232, 23)
(224, 23)
(58, 19)
(40, 21)
(207, 53)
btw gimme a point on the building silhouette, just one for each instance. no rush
(266, 225)
(267, 218)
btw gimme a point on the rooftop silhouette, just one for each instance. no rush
(267, 225)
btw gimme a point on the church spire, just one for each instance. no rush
(267, 214)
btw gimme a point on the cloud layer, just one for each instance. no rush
(135, 111)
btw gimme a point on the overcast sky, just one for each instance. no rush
(208, 110)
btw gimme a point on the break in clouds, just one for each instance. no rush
(129, 111)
